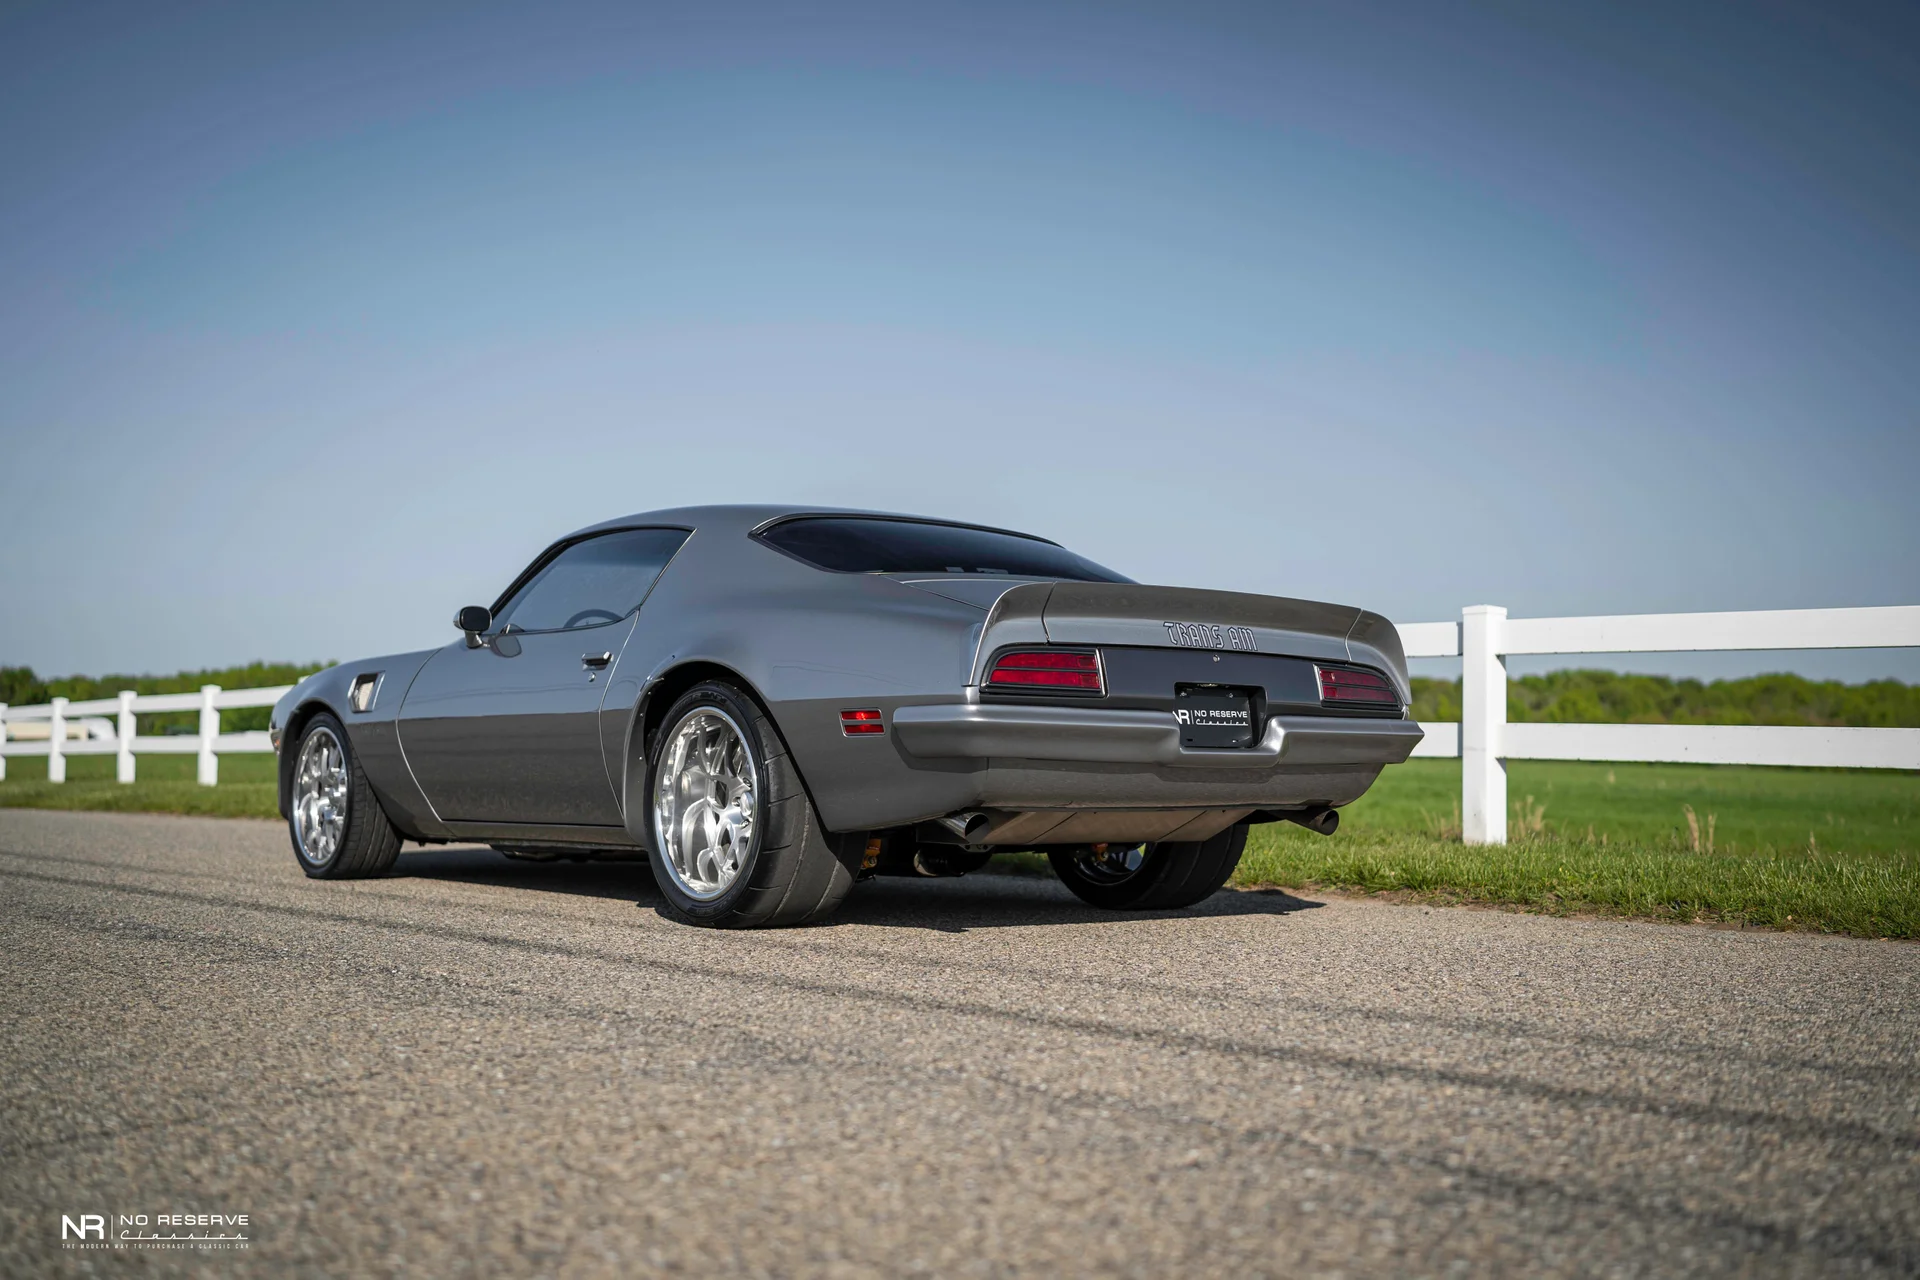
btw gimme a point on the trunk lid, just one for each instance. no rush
(1189, 618)
(1126, 614)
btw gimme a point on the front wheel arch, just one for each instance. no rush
(367, 842)
(297, 721)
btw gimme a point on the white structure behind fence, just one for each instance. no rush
(1483, 639)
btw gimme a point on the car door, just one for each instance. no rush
(507, 731)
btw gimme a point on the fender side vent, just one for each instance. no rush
(366, 688)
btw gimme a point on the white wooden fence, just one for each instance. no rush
(209, 744)
(1483, 639)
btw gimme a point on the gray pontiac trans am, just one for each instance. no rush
(770, 704)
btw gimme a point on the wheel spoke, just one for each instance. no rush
(703, 803)
(320, 800)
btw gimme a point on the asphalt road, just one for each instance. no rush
(477, 1066)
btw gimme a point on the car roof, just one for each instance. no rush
(744, 518)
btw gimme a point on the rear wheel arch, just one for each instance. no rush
(655, 701)
(790, 870)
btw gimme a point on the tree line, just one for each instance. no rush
(19, 686)
(1610, 697)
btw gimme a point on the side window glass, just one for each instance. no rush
(592, 583)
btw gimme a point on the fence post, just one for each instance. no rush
(1483, 724)
(57, 743)
(209, 730)
(3, 741)
(123, 756)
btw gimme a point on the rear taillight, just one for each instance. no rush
(1342, 687)
(1059, 670)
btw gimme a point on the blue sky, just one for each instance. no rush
(317, 322)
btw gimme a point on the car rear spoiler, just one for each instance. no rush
(1116, 613)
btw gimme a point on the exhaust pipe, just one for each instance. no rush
(939, 858)
(1322, 819)
(945, 860)
(966, 825)
(899, 853)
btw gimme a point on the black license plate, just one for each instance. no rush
(1211, 716)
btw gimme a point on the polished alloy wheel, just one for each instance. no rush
(704, 803)
(320, 796)
(1110, 863)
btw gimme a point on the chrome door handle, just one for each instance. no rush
(595, 660)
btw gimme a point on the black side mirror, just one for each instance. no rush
(474, 619)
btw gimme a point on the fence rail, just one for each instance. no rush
(1485, 637)
(1482, 639)
(209, 744)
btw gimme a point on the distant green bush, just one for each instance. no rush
(19, 686)
(1608, 697)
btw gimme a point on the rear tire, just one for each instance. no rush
(735, 842)
(339, 830)
(1169, 874)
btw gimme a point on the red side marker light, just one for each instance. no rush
(1342, 687)
(855, 723)
(1054, 669)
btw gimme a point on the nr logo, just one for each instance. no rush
(92, 1226)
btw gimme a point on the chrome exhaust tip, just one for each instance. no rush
(1322, 819)
(967, 825)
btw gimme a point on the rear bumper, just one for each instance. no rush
(1091, 735)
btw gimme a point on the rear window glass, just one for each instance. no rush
(847, 544)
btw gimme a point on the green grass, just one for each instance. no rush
(1835, 850)
(166, 785)
(1826, 849)
(1754, 809)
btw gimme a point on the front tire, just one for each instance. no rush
(1154, 877)
(339, 830)
(736, 842)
